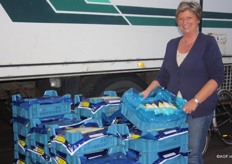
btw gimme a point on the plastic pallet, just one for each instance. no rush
(47, 106)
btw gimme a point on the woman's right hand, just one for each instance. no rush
(148, 90)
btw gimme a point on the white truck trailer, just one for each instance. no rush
(88, 46)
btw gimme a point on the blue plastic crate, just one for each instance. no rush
(172, 158)
(45, 132)
(144, 125)
(61, 157)
(100, 157)
(96, 107)
(80, 141)
(25, 126)
(41, 136)
(146, 119)
(164, 140)
(90, 146)
(59, 127)
(168, 157)
(47, 106)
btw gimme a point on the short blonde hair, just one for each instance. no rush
(191, 6)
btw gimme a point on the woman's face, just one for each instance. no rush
(187, 22)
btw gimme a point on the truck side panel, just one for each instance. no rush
(217, 21)
(39, 42)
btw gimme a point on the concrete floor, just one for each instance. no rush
(217, 152)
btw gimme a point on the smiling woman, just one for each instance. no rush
(188, 20)
(192, 69)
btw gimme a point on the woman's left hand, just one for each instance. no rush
(190, 106)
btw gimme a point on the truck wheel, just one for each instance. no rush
(118, 83)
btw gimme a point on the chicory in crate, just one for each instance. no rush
(161, 107)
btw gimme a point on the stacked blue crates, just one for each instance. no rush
(156, 138)
(28, 114)
(166, 145)
(49, 106)
(48, 131)
(79, 145)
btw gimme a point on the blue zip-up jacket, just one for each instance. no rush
(204, 62)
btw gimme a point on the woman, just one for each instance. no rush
(192, 69)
